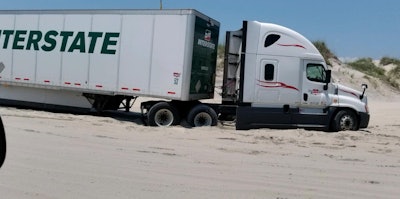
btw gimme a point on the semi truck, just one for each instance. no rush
(273, 76)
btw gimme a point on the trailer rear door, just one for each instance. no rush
(204, 59)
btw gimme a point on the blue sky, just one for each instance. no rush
(351, 28)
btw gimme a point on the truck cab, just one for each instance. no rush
(279, 79)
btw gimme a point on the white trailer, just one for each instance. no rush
(273, 76)
(127, 53)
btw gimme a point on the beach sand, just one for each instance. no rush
(59, 155)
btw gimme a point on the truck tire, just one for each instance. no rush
(163, 114)
(345, 120)
(202, 115)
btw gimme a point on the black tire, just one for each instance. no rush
(202, 115)
(345, 120)
(163, 114)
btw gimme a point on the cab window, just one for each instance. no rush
(316, 73)
(269, 72)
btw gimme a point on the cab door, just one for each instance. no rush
(314, 96)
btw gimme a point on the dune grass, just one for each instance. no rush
(367, 66)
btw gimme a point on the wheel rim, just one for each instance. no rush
(164, 117)
(346, 122)
(202, 119)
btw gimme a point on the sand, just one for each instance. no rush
(58, 155)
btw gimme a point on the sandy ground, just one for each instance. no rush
(54, 155)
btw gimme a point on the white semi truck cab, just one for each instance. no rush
(279, 79)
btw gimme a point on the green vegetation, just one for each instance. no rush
(220, 56)
(221, 51)
(367, 66)
(324, 50)
(388, 60)
(394, 74)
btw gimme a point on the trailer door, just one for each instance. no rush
(204, 60)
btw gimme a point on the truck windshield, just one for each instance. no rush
(316, 73)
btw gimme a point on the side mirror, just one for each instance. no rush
(327, 79)
(364, 87)
(328, 76)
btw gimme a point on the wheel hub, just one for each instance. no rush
(202, 119)
(164, 117)
(347, 122)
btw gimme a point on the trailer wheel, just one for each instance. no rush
(345, 120)
(202, 115)
(163, 114)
